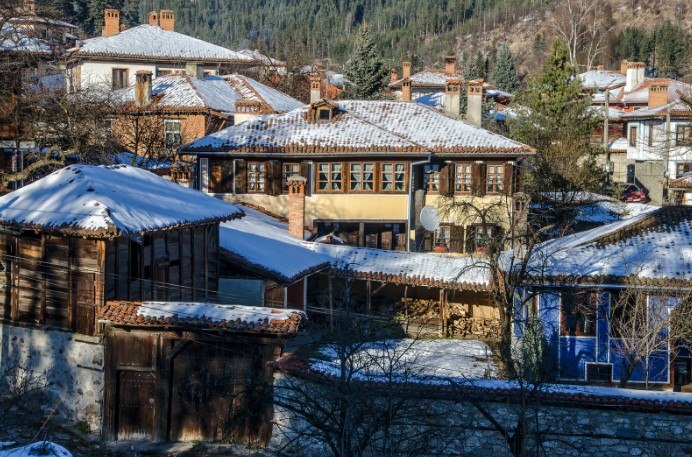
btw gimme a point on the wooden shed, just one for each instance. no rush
(86, 234)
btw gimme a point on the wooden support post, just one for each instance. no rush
(368, 296)
(443, 312)
(331, 302)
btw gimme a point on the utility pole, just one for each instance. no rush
(666, 158)
(606, 106)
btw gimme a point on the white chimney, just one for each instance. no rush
(143, 84)
(315, 88)
(474, 102)
(635, 75)
(194, 70)
(453, 96)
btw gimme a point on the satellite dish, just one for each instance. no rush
(430, 218)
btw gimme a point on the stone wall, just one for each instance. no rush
(574, 430)
(71, 364)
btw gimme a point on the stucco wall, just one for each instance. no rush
(72, 364)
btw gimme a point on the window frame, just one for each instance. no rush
(432, 178)
(393, 181)
(496, 186)
(583, 313)
(632, 137)
(285, 174)
(256, 177)
(362, 181)
(329, 189)
(687, 136)
(463, 177)
(122, 81)
(166, 133)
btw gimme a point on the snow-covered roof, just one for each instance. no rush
(234, 318)
(412, 268)
(640, 94)
(602, 79)
(215, 93)
(619, 144)
(359, 126)
(44, 448)
(613, 113)
(261, 58)
(107, 201)
(152, 43)
(682, 182)
(653, 246)
(428, 77)
(677, 108)
(16, 39)
(262, 243)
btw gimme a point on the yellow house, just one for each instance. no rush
(369, 167)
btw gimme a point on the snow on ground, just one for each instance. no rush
(438, 358)
(216, 313)
(43, 448)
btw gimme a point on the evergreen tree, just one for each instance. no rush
(534, 351)
(504, 74)
(364, 69)
(633, 44)
(474, 68)
(556, 118)
(672, 51)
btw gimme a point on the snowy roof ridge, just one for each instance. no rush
(151, 42)
(108, 201)
(360, 126)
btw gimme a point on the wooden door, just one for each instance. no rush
(136, 404)
(84, 290)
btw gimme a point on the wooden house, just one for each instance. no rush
(84, 235)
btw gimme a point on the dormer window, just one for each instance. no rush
(324, 114)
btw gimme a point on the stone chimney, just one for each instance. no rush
(406, 69)
(111, 21)
(600, 68)
(623, 66)
(474, 102)
(315, 88)
(453, 96)
(450, 65)
(296, 206)
(167, 20)
(406, 95)
(154, 18)
(658, 94)
(635, 75)
(393, 75)
(30, 6)
(143, 88)
(194, 70)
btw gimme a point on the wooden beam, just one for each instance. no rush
(331, 302)
(443, 312)
(42, 269)
(368, 296)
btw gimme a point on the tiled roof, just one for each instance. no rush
(428, 78)
(202, 316)
(359, 126)
(602, 79)
(109, 201)
(677, 109)
(215, 93)
(152, 43)
(503, 390)
(640, 94)
(652, 248)
(683, 182)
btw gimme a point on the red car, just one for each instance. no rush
(630, 193)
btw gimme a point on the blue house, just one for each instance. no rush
(584, 284)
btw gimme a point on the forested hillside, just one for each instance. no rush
(421, 30)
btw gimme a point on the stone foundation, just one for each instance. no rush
(70, 364)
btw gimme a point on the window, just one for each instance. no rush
(650, 135)
(462, 178)
(171, 133)
(255, 177)
(633, 136)
(432, 177)
(628, 313)
(442, 237)
(324, 114)
(119, 78)
(682, 168)
(393, 177)
(483, 235)
(362, 177)
(289, 170)
(683, 135)
(108, 125)
(495, 175)
(578, 313)
(329, 177)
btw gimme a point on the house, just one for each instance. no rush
(369, 168)
(601, 79)
(157, 115)
(422, 83)
(578, 280)
(112, 60)
(659, 143)
(681, 189)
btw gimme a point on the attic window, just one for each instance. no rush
(324, 114)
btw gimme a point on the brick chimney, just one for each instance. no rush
(167, 20)
(406, 69)
(194, 70)
(143, 88)
(315, 88)
(450, 65)
(154, 18)
(658, 94)
(296, 206)
(111, 21)
(635, 75)
(406, 95)
(623, 66)
(474, 102)
(453, 96)
(393, 75)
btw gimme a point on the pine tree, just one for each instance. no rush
(672, 49)
(365, 69)
(633, 44)
(504, 74)
(534, 352)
